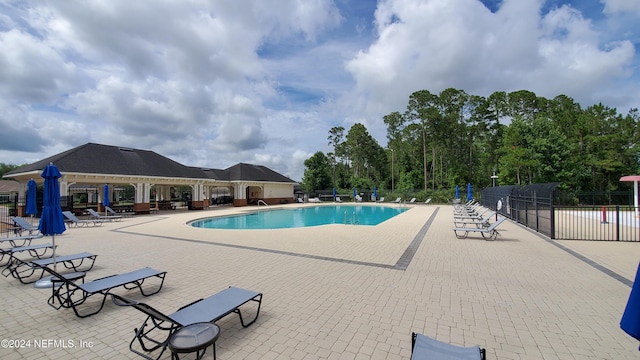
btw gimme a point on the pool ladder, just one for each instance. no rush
(354, 218)
(262, 201)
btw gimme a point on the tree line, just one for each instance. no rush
(454, 138)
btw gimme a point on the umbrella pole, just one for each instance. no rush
(54, 253)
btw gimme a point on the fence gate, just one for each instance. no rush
(530, 205)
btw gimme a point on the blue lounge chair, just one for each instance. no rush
(24, 225)
(70, 294)
(20, 240)
(97, 216)
(150, 336)
(423, 347)
(36, 251)
(75, 222)
(24, 270)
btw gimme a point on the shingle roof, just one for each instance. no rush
(93, 158)
(9, 186)
(244, 171)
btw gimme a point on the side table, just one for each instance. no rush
(193, 338)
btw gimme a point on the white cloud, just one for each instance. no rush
(439, 44)
(616, 6)
(213, 83)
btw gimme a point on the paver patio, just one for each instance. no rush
(347, 292)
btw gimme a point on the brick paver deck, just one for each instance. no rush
(346, 292)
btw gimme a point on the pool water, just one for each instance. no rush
(301, 217)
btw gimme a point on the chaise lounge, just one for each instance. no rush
(20, 240)
(70, 294)
(488, 233)
(36, 251)
(97, 216)
(423, 347)
(156, 330)
(23, 225)
(480, 222)
(24, 270)
(75, 222)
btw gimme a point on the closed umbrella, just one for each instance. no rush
(354, 194)
(105, 198)
(469, 193)
(334, 194)
(51, 221)
(32, 209)
(630, 322)
(457, 192)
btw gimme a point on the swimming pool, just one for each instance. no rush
(301, 217)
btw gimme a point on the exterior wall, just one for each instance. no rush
(278, 193)
(272, 191)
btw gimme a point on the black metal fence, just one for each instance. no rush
(536, 206)
(609, 223)
(9, 207)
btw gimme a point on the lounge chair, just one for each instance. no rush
(465, 210)
(23, 225)
(97, 216)
(471, 216)
(338, 199)
(75, 222)
(71, 294)
(381, 199)
(125, 213)
(427, 201)
(488, 233)
(155, 331)
(24, 270)
(483, 222)
(412, 200)
(20, 240)
(36, 251)
(397, 201)
(423, 347)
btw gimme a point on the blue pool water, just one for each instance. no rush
(301, 217)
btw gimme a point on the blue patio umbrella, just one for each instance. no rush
(457, 192)
(51, 221)
(630, 322)
(469, 193)
(32, 208)
(334, 194)
(105, 198)
(354, 194)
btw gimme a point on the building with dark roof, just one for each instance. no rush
(97, 164)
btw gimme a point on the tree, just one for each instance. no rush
(336, 140)
(317, 173)
(5, 168)
(454, 138)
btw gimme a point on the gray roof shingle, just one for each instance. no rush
(93, 158)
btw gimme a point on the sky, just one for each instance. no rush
(215, 83)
